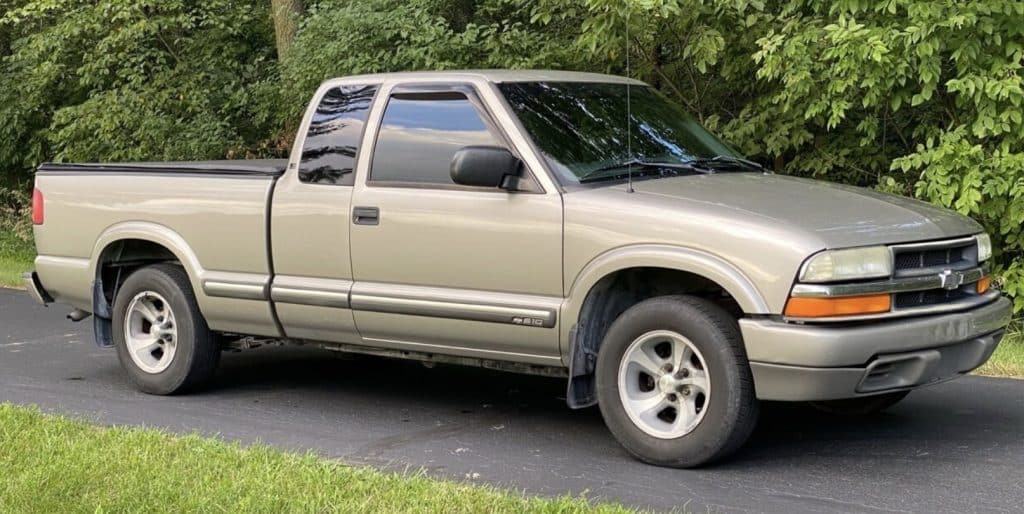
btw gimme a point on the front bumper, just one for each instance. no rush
(793, 362)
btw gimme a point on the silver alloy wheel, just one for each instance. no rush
(150, 332)
(664, 384)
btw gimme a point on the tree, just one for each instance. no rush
(286, 15)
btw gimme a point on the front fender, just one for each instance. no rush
(698, 262)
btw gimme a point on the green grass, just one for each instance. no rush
(1008, 361)
(54, 464)
(16, 258)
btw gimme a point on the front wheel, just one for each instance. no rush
(162, 340)
(673, 382)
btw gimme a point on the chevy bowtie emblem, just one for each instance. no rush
(951, 279)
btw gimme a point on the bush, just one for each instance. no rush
(131, 80)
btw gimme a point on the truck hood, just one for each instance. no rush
(838, 215)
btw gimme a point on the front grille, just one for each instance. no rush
(932, 297)
(929, 259)
(958, 256)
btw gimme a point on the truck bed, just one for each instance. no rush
(215, 213)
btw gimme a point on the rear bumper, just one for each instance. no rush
(35, 288)
(792, 362)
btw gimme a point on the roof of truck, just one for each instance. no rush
(501, 76)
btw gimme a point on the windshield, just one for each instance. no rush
(581, 129)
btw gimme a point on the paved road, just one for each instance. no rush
(955, 447)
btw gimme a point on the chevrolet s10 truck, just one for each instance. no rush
(565, 224)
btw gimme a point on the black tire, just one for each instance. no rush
(197, 352)
(731, 412)
(865, 406)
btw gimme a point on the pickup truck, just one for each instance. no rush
(565, 224)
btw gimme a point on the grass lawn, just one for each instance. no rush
(15, 258)
(53, 464)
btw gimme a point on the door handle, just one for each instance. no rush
(366, 216)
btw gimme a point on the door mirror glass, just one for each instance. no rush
(485, 166)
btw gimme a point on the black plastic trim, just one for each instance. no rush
(233, 169)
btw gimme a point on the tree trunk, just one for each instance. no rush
(286, 23)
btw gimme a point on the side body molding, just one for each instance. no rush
(679, 258)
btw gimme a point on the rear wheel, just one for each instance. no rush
(865, 406)
(162, 340)
(673, 382)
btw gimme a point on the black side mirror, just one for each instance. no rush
(485, 166)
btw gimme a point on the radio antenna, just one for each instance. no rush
(629, 115)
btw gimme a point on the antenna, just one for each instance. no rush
(629, 115)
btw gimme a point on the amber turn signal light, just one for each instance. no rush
(984, 284)
(799, 307)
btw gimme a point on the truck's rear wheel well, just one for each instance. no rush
(609, 298)
(122, 257)
(118, 260)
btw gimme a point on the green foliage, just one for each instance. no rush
(916, 97)
(131, 80)
(340, 38)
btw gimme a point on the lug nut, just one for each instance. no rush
(683, 373)
(672, 397)
(685, 390)
(667, 368)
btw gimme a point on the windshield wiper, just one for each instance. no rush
(645, 167)
(725, 162)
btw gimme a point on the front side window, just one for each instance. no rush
(329, 151)
(581, 129)
(421, 132)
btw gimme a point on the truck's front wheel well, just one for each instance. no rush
(118, 260)
(609, 298)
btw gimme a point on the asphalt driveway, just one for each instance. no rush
(954, 447)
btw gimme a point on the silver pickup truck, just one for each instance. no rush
(565, 224)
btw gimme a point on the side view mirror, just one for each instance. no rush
(486, 166)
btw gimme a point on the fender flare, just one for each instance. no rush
(154, 233)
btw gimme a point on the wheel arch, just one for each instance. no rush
(620, 278)
(125, 247)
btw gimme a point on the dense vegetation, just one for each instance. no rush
(919, 97)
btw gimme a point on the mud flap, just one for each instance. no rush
(102, 324)
(581, 392)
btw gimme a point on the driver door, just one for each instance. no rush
(440, 267)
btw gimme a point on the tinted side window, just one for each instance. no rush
(420, 134)
(329, 152)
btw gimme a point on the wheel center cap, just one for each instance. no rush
(667, 383)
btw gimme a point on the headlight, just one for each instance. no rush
(852, 264)
(984, 247)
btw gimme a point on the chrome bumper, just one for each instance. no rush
(793, 362)
(35, 288)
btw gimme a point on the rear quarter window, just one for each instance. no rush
(332, 141)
